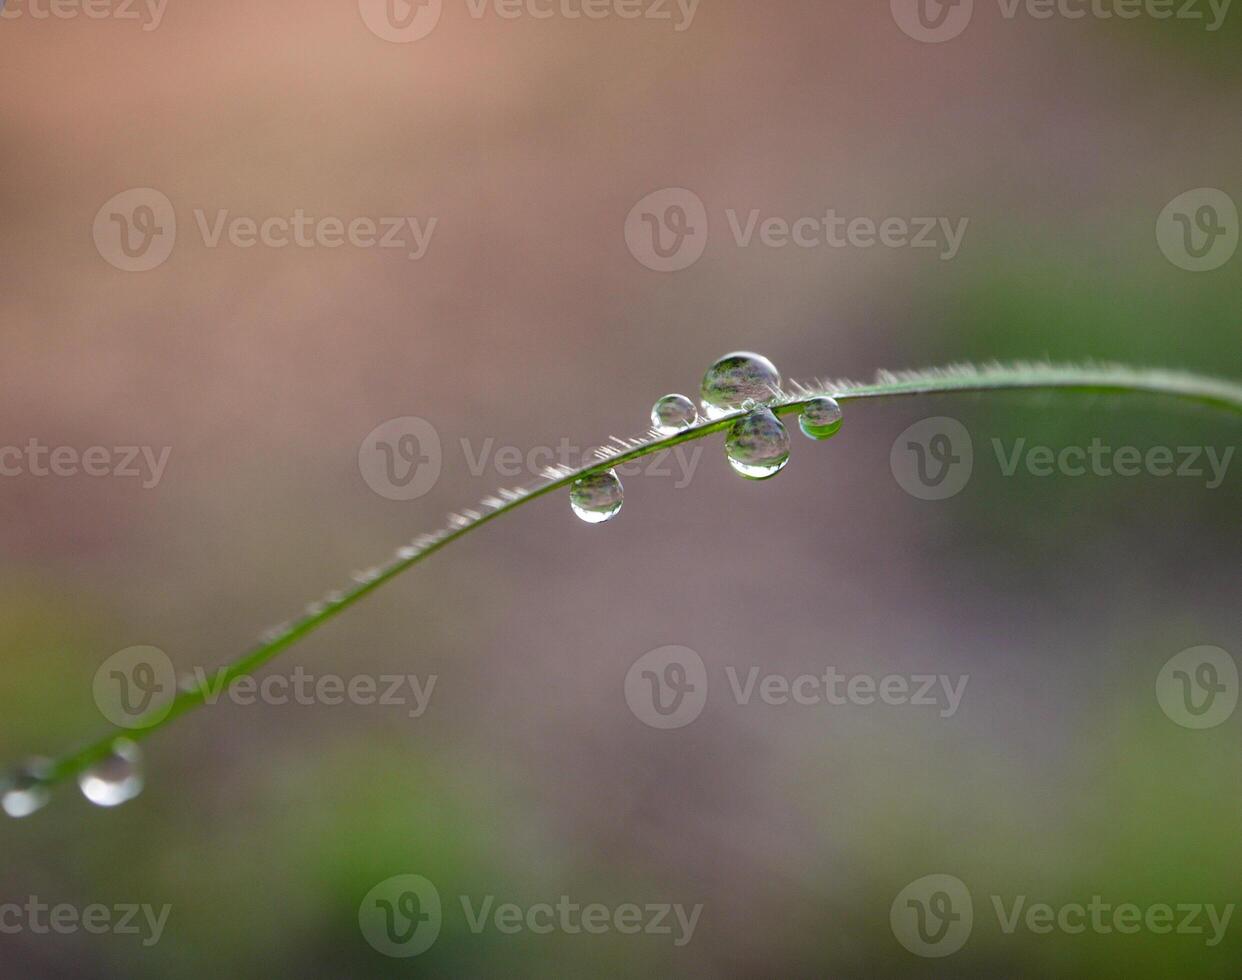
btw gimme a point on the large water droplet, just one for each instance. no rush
(821, 418)
(597, 498)
(735, 378)
(24, 792)
(758, 445)
(672, 413)
(116, 778)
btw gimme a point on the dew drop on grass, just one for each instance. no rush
(116, 778)
(821, 418)
(597, 498)
(672, 413)
(735, 378)
(24, 791)
(758, 445)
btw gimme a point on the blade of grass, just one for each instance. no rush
(1099, 379)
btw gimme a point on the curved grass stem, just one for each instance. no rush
(1104, 379)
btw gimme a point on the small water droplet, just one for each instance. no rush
(758, 445)
(116, 778)
(24, 791)
(736, 377)
(672, 413)
(821, 418)
(597, 498)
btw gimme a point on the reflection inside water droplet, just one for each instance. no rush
(758, 445)
(735, 378)
(672, 413)
(820, 418)
(597, 498)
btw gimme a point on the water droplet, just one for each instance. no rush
(735, 378)
(821, 418)
(24, 791)
(116, 778)
(597, 498)
(758, 445)
(672, 413)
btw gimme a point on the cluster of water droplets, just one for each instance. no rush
(757, 444)
(114, 779)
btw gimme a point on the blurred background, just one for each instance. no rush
(533, 314)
